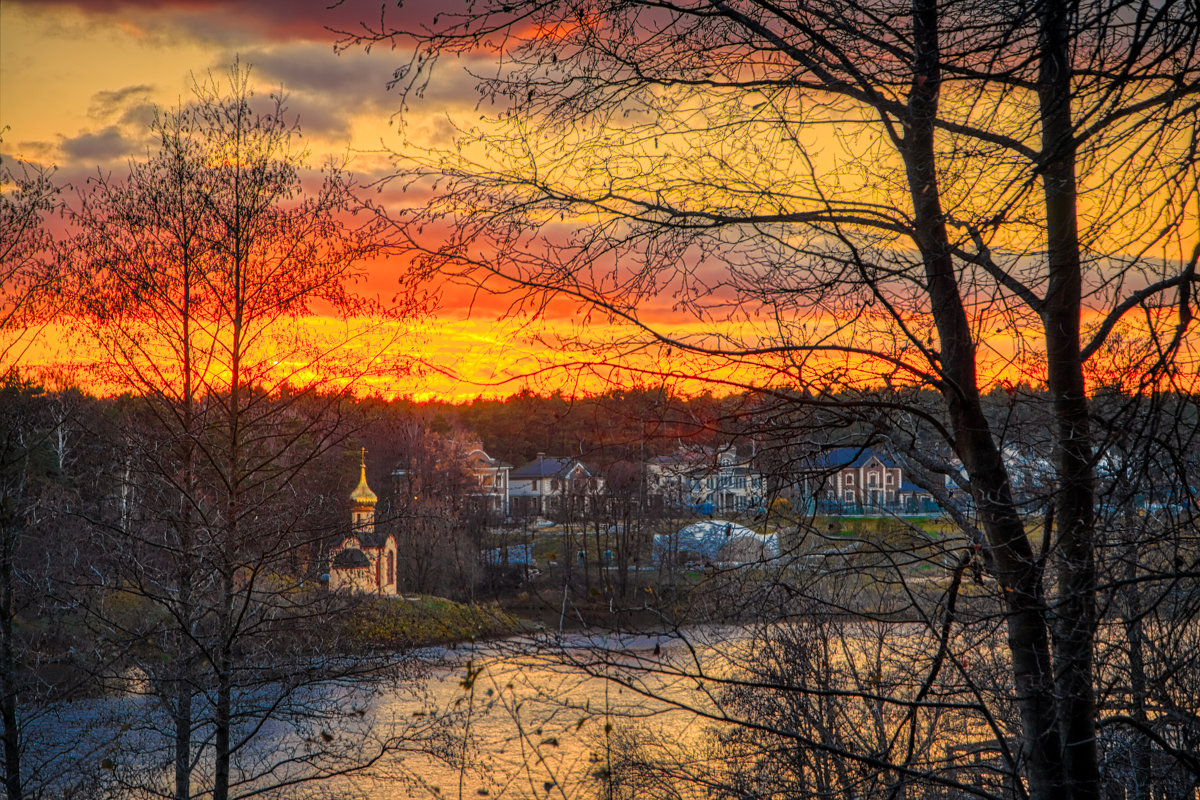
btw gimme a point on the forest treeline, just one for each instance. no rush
(620, 424)
(604, 429)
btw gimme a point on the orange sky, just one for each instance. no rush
(78, 82)
(79, 79)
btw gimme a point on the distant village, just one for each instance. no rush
(700, 480)
(694, 482)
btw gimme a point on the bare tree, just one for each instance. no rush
(29, 283)
(29, 265)
(198, 268)
(913, 195)
(431, 507)
(24, 431)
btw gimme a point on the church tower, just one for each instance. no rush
(362, 502)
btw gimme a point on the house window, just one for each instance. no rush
(873, 479)
(891, 479)
(391, 567)
(849, 496)
(849, 478)
(535, 486)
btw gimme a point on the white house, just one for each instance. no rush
(705, 478)
(548, 486)
(492, 476)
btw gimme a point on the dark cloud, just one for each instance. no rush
(104, 103)
(357, 78)
(139, 116)
(354, 79)
(322, 89)
(326, 89)
(124, 115)
(454, 82)
(322, 119)
(37, 152)
(107, 144)
(129, 107)
(218, 20)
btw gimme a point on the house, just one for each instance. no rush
(707, 480)
(365, 559)
(551, 486)
(859, 479)
(492, 477)
(454, 470)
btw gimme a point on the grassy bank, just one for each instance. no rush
(420, 621)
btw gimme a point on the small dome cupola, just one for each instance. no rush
(362, 502)
(362, 497)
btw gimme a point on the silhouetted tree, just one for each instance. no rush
(29, 263)
(911, 195)
(198, 268)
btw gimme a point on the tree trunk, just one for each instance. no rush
(1017, 569)
(184, 688)
(223, 713)
(1075, 627)
(8, 677)
(183, 740)
(1140, 752)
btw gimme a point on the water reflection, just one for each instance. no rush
(532, 723)
(770, 711)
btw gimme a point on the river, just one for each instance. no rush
(511, 719)
(535, 723)
(566, 717)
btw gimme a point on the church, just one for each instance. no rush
(365, 560)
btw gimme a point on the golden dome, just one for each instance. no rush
(362, 494)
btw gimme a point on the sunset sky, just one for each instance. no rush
(79, 82)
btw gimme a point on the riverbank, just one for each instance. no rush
(415, 621)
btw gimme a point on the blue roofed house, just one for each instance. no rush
(862, 480)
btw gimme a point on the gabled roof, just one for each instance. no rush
(549, 467)
(478, 458)
(842, 457)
